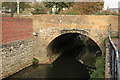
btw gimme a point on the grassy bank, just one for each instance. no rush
(99, 72)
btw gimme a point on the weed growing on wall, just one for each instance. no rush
(35, 61)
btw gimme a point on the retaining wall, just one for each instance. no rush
(16, 45)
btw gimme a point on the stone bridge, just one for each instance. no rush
(49, 27)
(19, 47)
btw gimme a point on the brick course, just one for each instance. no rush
(16, 50)
(15, 29)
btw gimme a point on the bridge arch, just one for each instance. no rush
(68, 40)
(87, 33)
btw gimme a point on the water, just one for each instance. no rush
(65, 66)
(76, 61)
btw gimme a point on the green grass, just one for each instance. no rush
(99, 72)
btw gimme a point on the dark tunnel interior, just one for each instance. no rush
(77, 54)
(65, 42)
(73, 41)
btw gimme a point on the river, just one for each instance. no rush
(65, 66)
(75, 61)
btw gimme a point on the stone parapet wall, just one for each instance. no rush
(93, 21)
(78, 19)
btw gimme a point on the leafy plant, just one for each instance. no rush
(58, 5)
(35, 61)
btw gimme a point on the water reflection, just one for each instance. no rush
(67, 66)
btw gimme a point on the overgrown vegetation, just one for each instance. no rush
(99, 72)
(64, 8)
(107, 12)
(39, 8)
(35, 61)
(58, 6)
(70, 12)
(84, 8)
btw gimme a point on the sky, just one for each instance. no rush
(111, 3)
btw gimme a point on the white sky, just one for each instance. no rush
(112, 3)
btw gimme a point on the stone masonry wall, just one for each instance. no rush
(16, 40)
(49, 27)
(15, 56)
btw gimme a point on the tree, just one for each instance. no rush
(10, 5)
(84, 8)
(13, 6)
(39, 8)
(88, 7)
(24, 5)
(58, 5)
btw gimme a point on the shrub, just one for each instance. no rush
(70, 12)
(57, 12)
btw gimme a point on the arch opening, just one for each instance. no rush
(81, 47)
(76, 55)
